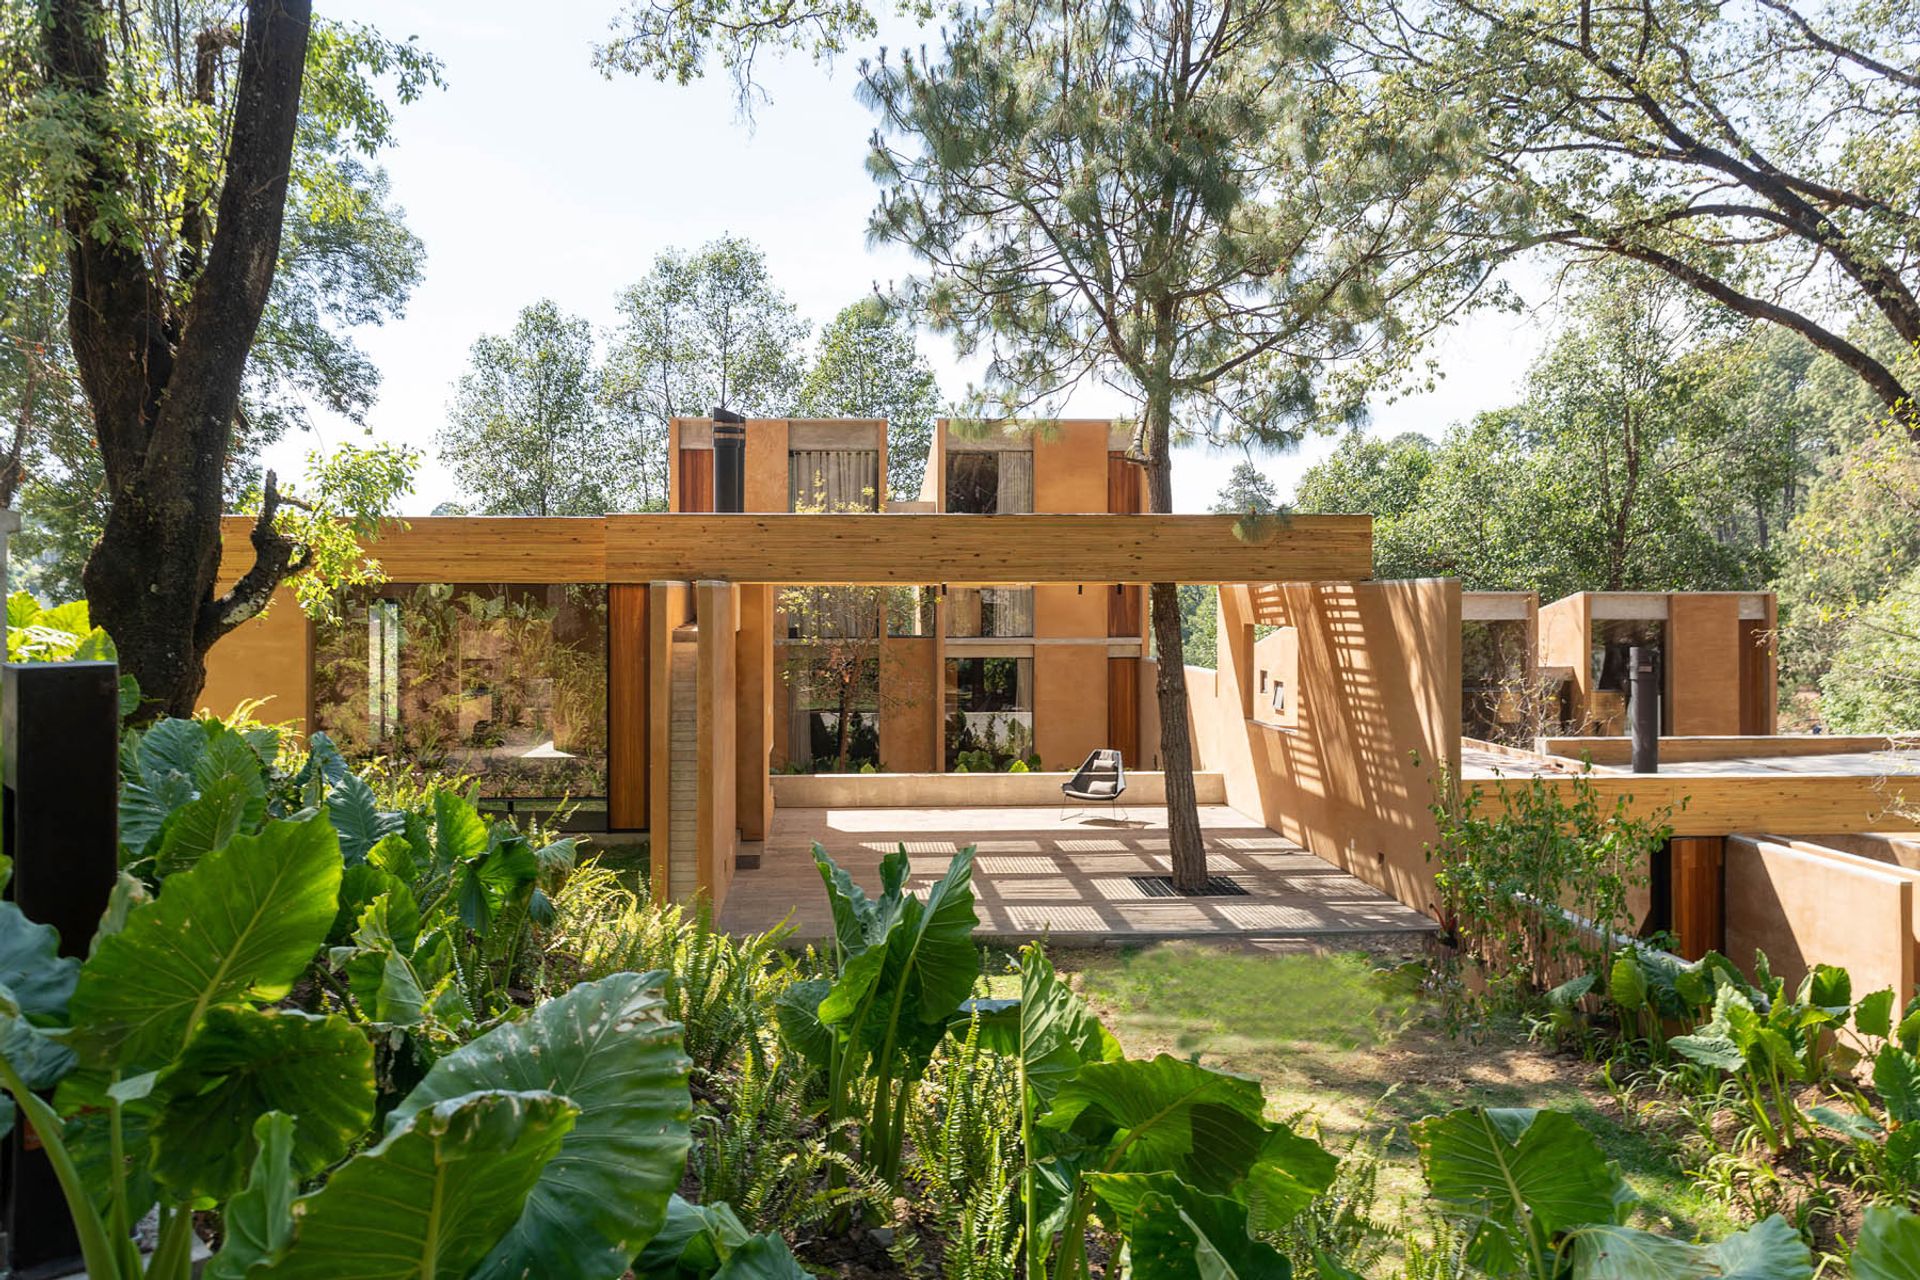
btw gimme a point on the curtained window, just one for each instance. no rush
(833, 480)
(990, 482)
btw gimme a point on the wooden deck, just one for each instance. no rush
(1036, 875)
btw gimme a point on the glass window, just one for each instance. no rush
(504, 682)
(989, 713)
(828, 687)
(990, 611)
(910, 611)
(990, 482)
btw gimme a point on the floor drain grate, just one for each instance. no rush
(1162, 887)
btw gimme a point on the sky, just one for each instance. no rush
(532, 176)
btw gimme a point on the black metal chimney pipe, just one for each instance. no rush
(1643, 707)
(729, 460)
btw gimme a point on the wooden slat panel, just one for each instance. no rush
(696, 480)
(907, 549)
(627, 697)
(1123, 708)
(1699, 898)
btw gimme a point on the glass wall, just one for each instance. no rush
(990, 482)
(989, 611)
(827, 686)
(989, 713)
(504, 682)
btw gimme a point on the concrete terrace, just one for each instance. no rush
(1069, 880)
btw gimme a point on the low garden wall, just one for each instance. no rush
(964, 790)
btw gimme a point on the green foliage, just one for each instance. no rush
(1538, 887)
(903, 965)
(708, 1241)
(525, 434)
(1873, 682)
(869, 366)
(700, 329)
(345, 497)
(63, 633)
(1533, 1189)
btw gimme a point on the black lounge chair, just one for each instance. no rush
(1102, 778)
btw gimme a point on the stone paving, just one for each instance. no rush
(1067, 878)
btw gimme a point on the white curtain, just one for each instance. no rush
(1016, 482)
(833, 480)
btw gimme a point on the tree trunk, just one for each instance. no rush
(164, 382)
(846, 724)
(1176, 739)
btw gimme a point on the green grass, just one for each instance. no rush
(1354, 1047)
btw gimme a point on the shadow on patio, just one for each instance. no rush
(1069, 880)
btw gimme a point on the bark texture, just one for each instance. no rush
(163, 381)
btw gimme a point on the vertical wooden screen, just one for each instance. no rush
(627, 697)
(1123, 708)
(1126, 489)
(696, 480)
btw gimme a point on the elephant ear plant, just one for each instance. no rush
(1538, 1200)
(547, 1146)
(904, 967)
(1175, 1158)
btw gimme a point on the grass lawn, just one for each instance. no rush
(1349, 1041)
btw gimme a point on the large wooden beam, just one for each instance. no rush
(873, 550)
(1762, 802)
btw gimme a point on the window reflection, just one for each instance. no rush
(504, 682)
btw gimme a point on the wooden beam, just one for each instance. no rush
(1769, 803)
(1699, 895)
(1680, 749)
(897, 549)
(861, 550)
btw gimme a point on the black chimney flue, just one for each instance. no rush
(729, 460)
(1643, 707)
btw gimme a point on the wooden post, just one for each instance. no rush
(1699, 894)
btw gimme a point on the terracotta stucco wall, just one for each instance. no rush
(767, 482)
(1803, 905)
(270, 657)
(1378, 685)
(909, 705)
(1564, 628)
(1070, 703)
(1703, 663)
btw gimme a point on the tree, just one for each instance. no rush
(868, 366)
(1383, 478)
(1247, 492)
(1873, 682)
(157, 151)
(1184, 201)
(1765, 153)
(524, 435)
(701, 329)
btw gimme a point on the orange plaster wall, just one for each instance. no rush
(1070, 467)
(1062, 612)
(908, 696)
(1070, 703)
(767, 481)
(1564, 631)
(269, 656)
(1703, 663)
(1805, 906)
(1378, 682)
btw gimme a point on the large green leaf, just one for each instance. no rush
(1768, 1250)
(222, 810)
(1889, 1245)
(243, 1063)
(38, 980)
(796, 1010)
(701, 1241)
(258, 1222)
(1176, 1233)
(458, 832)
(1896, 1074)
(433, 1197)
(1050, 1030)
(858, 921)
(1168, 1115)
(1520, 1176)
(608, 1048)
(243, 923)
(358, 817)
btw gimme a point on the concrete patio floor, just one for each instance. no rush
(1037, 875)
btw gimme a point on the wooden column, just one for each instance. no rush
(1699, 894)
(666, 603)
(753, 685)
(628, 693)
(714, 702)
